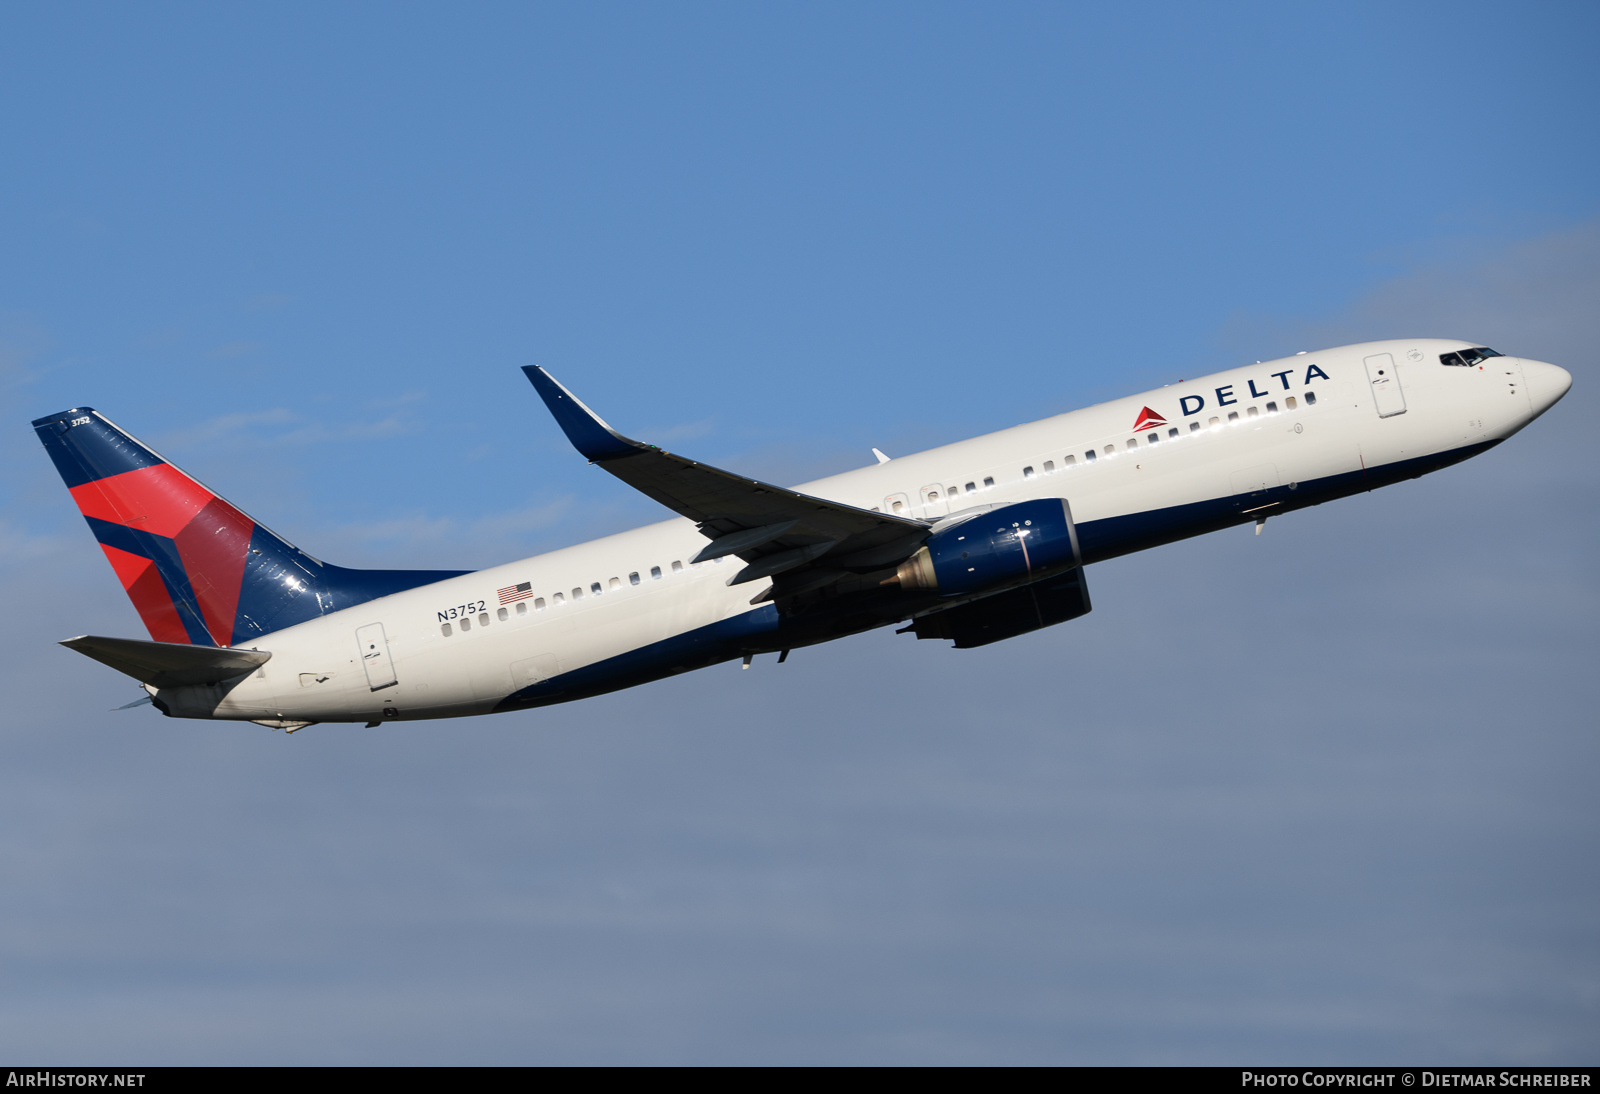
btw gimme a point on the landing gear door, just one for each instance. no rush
(375, 657)
(1385, 380)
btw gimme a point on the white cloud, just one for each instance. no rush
(21, 342)
(230, 350)
(279, 426)
(1536, 298)
(685, 431)
(507, 529)
(22, 548)
(268, 301)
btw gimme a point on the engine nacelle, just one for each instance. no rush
(1009, 546)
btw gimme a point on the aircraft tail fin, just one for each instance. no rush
(198, 570)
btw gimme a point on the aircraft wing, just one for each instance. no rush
(776, 531)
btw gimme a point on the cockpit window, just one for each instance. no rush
(1468, 357)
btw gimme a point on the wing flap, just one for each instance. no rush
(747, 540)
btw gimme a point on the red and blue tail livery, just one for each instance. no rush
(197, 569)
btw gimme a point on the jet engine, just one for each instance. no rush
(989, 552)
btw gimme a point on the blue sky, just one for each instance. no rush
(1322, 795)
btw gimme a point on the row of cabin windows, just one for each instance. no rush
(954, 491)
(1090, 455)
(539, 602)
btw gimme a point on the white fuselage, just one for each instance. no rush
(1282, 427)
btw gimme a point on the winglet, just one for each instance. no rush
(591, 436)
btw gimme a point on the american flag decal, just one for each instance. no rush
(512, 593)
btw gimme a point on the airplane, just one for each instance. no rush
(971, 543)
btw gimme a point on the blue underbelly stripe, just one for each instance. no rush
(694, 649)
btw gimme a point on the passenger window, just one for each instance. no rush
(594, 587)
(899, 507)
(1252, 413)
(1173, 433)
(559, 599)
(972, 487)
(616, 583)
(483, 620)
(1111, 450)
(677, 567)
(466, 623)
(577, 594)
(538, 603)
(1194, 427)
(1233, 415)
(1154, 438)
(1049, 467)
(988, 482)
(444, 629)
(655, 573)
(1027, 472)
(1272, 408)
(503, 614)
(1216, 423)
(1289, 403)
(1133, 442)
(522, 607)
(1090, 456)
(633, 578)
(1069, 461)
(1311, 398)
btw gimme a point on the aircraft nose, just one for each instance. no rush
(1546, 384)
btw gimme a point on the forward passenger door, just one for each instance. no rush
(1385, 381)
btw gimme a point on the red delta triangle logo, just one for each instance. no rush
(1148, 418)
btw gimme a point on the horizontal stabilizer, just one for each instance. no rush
(168, 664)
